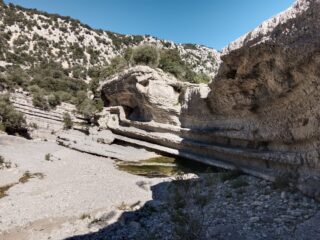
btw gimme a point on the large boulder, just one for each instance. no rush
(146, 94)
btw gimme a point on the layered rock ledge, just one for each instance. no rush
(259, 114)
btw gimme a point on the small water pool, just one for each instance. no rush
(163, 166)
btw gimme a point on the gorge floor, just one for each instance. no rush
(74, 186)
(74, 195)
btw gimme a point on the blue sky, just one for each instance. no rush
(213, 23)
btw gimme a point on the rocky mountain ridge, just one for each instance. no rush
(29, 36)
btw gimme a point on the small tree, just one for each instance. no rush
(145, 55)
(54, 100)
(11, 120)
(87, 109)
(39, 101)
(67, 121)
(93, 86)
(171, 62)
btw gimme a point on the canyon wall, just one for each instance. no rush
(259, 114)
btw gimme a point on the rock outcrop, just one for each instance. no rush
(146, 94)
(260, 114)
(267, 88)
(43, 124)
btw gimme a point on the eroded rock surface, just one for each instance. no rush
(268, 87)
(146, 94)
(259, 114)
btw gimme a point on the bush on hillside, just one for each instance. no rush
(117, 64)
(54, 100)
(93, 87)
(11, 120)
(198, 78)
(170, 61)
(67, 121)
(87, 107)
(14, 77)
(40, 101)
(145, 55)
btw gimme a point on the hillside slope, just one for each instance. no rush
(29, 37)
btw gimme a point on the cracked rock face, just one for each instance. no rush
(268, 85)
(270, 77)
(262, 108)
(146, 94)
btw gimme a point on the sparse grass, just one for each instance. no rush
(85, 216)
(24, 179)
(47, 157)
(27, 176)
(1, 160)
(123, 206)
(33, 125)
(4, 189)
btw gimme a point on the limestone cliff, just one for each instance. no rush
(147, 94)
(259, 114)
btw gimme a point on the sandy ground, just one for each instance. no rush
(76, 189)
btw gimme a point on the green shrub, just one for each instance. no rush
(145, 55)
(190, 46)
(40, 101)
(194, 77)
(15, 77)
(117, 64)
(93, 86)
(128, 54)
(67, 121)
(33, 125)
(170, 61)
(54, 100)
(64, 96)
(11, 120)
(34, 89)
(47, 157)
(87, 109)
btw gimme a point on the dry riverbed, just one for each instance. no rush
(52, 192)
